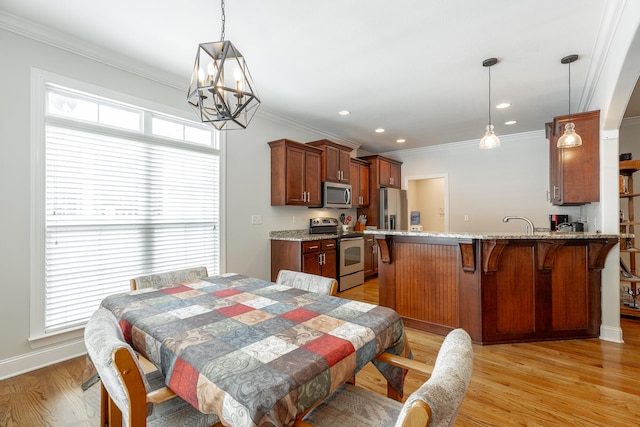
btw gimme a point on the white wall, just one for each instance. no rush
(248, 192)
(486, 185)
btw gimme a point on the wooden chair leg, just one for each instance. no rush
(104, 406)
(115, 416)
(393, 394)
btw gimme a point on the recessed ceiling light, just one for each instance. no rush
(379, 130)
(401, 141)
(510, 122)
(344, 112)
(503, 105)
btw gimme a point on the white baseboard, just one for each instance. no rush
(41, 358)
(610, 333)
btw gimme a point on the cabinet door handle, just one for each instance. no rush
(555, 192)
(304, 196)
(308, 196)
(314, 247)
(324, 259)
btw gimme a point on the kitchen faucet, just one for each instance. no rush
(529, 223)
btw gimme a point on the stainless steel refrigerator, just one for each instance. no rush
(393, 209)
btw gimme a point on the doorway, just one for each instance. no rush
(428, 202)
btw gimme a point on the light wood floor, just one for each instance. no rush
(554, 383)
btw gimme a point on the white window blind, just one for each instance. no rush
(120, 202)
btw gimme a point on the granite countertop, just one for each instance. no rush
(500, 235)
(298, 235)
(303, 235)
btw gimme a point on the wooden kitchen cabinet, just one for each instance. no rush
(382, 172)
(319, 257)
(311, 256)
(295, 174)
(359, 183)
(370, 256)
(574, 177)
(336, 160)
(389, 173)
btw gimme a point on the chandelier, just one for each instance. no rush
(490, 139)
(221, 91)
(570, 137)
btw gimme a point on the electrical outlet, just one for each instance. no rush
(256, 219)
(466, 218)
(293, 220)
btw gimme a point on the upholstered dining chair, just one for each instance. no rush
(168, 277)
(127, 393)
(308, 282)
(434, 404)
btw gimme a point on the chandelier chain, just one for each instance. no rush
(223, 20)
(569, 91)
(489, 94)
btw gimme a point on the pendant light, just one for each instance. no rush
(490, 139)
(569, 138)
(221, 90)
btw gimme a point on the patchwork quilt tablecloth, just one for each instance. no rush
(254, 352)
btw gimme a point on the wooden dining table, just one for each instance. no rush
(254, 352)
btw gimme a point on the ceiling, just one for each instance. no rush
(413, 68)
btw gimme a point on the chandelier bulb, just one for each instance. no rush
(570, 137)
(490, 139)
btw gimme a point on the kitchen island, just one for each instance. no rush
(500, 287)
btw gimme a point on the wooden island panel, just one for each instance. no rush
(571, 293)
(428, 291)
(513, 292)
(499, 290)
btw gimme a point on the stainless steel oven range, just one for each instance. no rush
(350, 257)
(350, 261)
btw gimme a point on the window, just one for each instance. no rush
(126, 191)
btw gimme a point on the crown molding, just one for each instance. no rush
(269, 115)
(471, 144)
(79, 47)
(630, 121)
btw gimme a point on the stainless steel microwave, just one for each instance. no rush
(336, 195)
